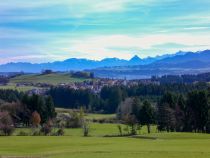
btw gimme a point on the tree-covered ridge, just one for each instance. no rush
(204, 77)
(110, 97)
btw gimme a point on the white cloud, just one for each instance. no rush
(77, 28)
(196, 28)
(101, 46)
(59, 46)
(70, 8)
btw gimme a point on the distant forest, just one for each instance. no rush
(204, 77)
(173, 103)
(172, 107)
(110, 97)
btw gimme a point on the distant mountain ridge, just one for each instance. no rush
(77, 64)
(182, 63)
(135, 68)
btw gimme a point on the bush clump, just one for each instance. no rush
(23, 133)
(60, 132)
(6, 124)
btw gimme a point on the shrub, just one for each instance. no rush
(36, 133)
(23, 133)
(60, 132)
(74, 121)
(47, 128)
(86, 128)
(6, 124)
(35, 118)
(131, 121)
(120, 130)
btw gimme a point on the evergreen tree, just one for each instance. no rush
(198, 103)
(146, 115)
(166, 118)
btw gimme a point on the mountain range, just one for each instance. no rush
(178, 63)
(77, 64)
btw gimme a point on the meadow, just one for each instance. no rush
(103, 140)
(54, 78)
(18, 88)
(74, 145)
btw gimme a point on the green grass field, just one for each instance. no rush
(54, 78)
(89, 116)
(21, 88)
(100, 116)
(162, 145)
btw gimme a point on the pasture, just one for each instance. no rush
(18, 88)
(54, 78)
(74, 145)
(100, 116)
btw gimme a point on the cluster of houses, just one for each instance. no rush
(40, 85)
(94, 85)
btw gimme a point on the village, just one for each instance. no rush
(94, 85)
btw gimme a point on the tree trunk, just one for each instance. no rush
(148, 128)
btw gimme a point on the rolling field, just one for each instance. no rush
(100, 116)
(89, 116)
(20, 89)
(155, 145)
(54, 78)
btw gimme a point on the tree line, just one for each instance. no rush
(204, 77)
(190, 113)
(17, 109)
(172, 112)
(109, 98)
(172, 107)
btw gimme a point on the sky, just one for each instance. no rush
(52, 30)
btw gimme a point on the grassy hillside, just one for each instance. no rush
(14, 87)
(89, 116)
(54, 78)
(100, 116)
(165, 145)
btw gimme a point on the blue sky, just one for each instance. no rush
(49, 30)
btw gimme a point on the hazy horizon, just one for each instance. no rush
(46, 31)
(127, 59)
